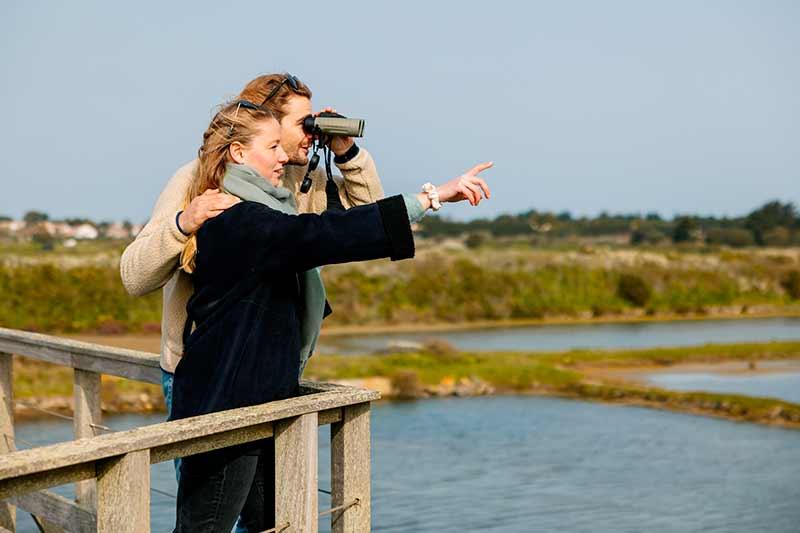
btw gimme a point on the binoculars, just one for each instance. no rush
(333, 124)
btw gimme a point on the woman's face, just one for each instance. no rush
(264, 152)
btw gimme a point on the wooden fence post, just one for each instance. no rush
(8, 513)
(350, 469)
(296, 467)
(86, 392)
(123, 493)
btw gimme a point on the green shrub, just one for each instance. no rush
(736, 237)
(634, 290)
(791, 282)
(45, 241)
(475, 240)
(686, 230)
(646, 236)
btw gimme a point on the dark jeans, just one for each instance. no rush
(166, 383)
(217, 487)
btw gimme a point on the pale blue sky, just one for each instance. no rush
(624, 106)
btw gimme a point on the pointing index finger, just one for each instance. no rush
(480, 167)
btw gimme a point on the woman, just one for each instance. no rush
(259, 301)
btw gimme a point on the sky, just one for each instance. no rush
(624, 106)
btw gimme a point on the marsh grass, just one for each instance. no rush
(80, 291)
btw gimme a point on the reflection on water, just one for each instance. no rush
(564, 337)
(783, 386)
(518, 464)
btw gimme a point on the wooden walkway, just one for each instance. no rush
(111, 470)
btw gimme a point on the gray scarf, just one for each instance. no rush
(247, 184)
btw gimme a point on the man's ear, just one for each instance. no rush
(236, 150)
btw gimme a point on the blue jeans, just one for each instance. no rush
(239, 469)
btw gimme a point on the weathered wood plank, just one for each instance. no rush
(204, 444)
(46, 460)
(45, 479)
(123, 494)
(58, 510)
(131, 364)
(296, 473)
(8, 515)
(350, 470)
(228, 438)
(87, 412)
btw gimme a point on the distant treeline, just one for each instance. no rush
(773, 224)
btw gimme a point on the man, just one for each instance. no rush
(151, 261)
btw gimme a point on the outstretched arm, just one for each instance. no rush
(252, 236)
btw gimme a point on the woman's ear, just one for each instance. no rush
(236, 151)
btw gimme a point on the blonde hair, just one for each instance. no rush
(236, 121)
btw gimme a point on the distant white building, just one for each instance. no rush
(86, 231)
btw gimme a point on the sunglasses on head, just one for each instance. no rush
(293, 82)
(247, 104)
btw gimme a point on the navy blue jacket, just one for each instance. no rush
(247, 302)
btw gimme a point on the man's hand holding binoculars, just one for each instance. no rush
(339, 144)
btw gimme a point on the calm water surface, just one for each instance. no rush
(564, 337)
(519, 464)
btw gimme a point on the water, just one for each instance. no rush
(565, 337)
(784, 386)
(520, 464)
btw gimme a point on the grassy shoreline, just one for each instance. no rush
(441, 371)
(569, 374)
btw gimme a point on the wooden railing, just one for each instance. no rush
(111, 470)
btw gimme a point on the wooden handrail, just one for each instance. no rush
(110, 469)
(83, 451)
(131, 364)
